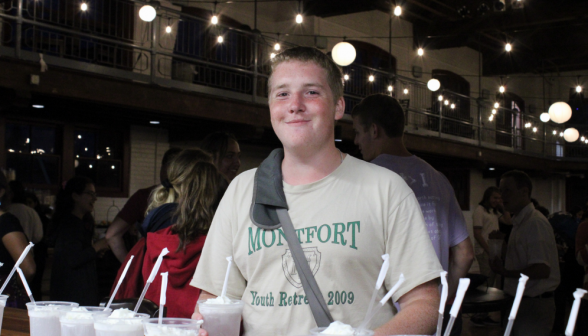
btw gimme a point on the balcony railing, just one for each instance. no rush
(110, 39)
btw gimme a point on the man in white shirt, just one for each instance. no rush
(347, 213)
(531, 251)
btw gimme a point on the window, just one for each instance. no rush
(99, 156)
(33, 154)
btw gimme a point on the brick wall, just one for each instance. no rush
(148, 144)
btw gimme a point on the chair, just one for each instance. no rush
(147, 306)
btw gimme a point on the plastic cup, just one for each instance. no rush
(318, 331)
(105, 326)
(222, 319)
(171, 326)
(3, 299)
(81, 323)
(44, 316)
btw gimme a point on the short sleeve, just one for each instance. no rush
(134, 209)
(536, 245)
(410, 248)
(9, 223)
(458, 230)
(211, 269)
(478, 217)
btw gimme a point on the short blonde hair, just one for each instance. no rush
(312, 55)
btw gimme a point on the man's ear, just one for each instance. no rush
(375, 131)
(339, 108)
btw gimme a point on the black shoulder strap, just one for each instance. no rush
(269, 211)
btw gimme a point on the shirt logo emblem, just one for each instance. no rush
(313, 257)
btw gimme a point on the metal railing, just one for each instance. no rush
(109, 38)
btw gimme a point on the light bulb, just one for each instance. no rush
(371, 78)
(147, 13)
(299, 18)
(501, 89)
(346, 77)
(578, 89)
(440, 98)
(534, 129)
(493, 111)
(84, 6)
(554, 132)
(220, 39)
(214, 19)
(272, 55)
(583, 138)
(168, 29)
(561, 134)
(405, 91)
(420, 52)
(446, 102)
(491, 117)
(433, 84)
(452, 106)
(508, 47)
(544, 117)
(276, 46)
(390, 88)
(496, 105)
(398, 11)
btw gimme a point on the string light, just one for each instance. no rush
(501, 89)
(168, 29)
(446, 102)
(491, 118)
(398, 11)
(405, 91)
(508, 47)
(214, 19)
(544, 117)
(496, 105)
(84, 6)
(390, 88)
(583, 138)
(299, 18)
(493, 111)
(276, 46)
(147, 13)
(440, 98)
(452, 106)
(554, 132)
(534, 129)
(371, 78)
(346, 77)
(220, 39)
(420, 52)
(578, 89)
(272, 55)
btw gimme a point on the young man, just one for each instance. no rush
(378, 122)
(531, 251)
(347, 213)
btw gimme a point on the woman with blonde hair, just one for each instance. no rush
(196, 186)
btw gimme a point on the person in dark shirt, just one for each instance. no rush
(12, 244)
(134, 211)
(74, 277)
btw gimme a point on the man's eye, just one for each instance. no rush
(313, 92)
(282, 94)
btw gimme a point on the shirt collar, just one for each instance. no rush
(523, 214)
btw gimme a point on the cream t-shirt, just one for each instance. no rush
(344, 222)
(488, 222)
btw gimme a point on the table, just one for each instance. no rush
(485, 300)
(15, 322)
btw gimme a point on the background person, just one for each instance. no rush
(13, 242)
(74, 277)
(531, 251)
(378, 121)
(225, 152)
(134, 211)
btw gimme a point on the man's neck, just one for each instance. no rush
(307, 166)
(78, 212)
(519, 209)
(393, 146)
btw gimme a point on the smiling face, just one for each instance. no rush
(495, 200)
(84, 202)
(230, 163)
(302, 107)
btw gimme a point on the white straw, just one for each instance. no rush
(444, 292)
(120, 280)
(16, 265)
(162, 296)
(382, 302)
(518, 297)
(574, 313)
(224, 292)
(151, 277)
(379, 282)
(26, 285)
(394, 289)
(464, 283)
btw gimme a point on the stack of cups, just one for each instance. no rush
(44, 316)
(222, 319)
(126, 326)
(80, 321)
(172, 326)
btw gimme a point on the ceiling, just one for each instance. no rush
(546, 35)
